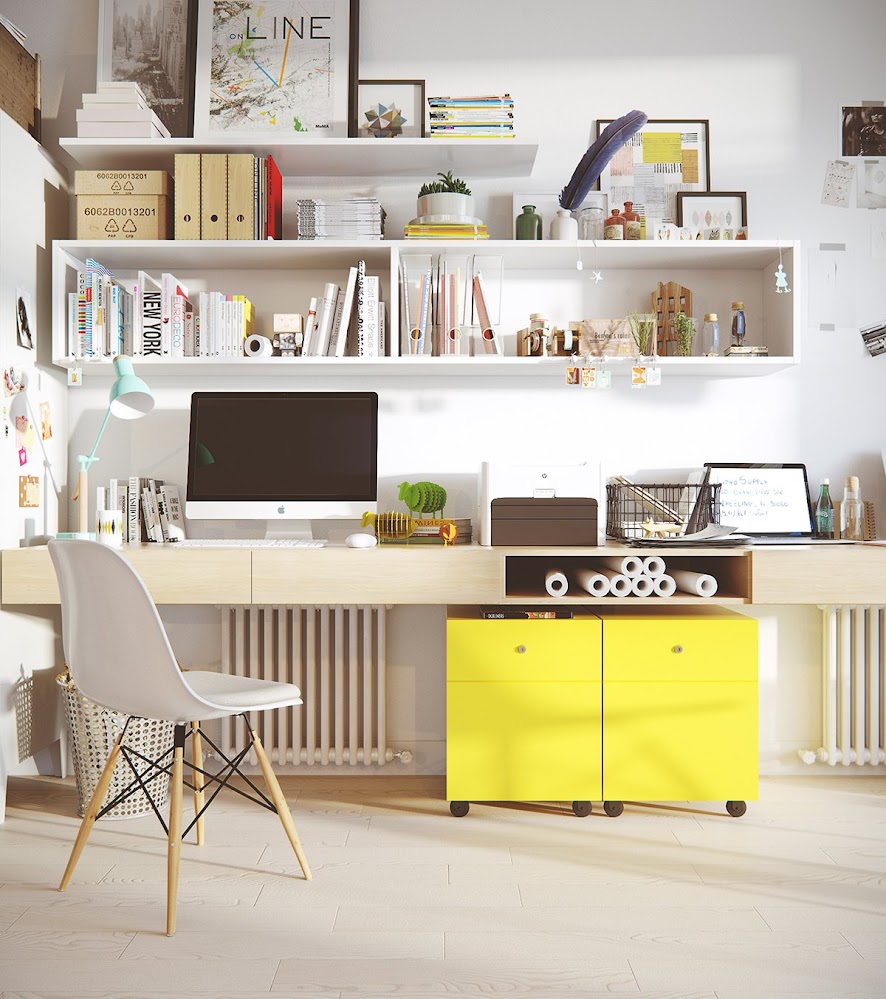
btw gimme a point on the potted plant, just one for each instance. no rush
(448, 196)
(643, 332)
(684, 330)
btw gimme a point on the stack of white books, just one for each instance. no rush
(341, 218)
(118, 110)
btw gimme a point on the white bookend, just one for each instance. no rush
(367, 329)
(491, 342)
(325, 318)
(175, 521)
(343, 313)
(150, 297)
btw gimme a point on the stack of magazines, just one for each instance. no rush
(483, 117)
(340, 218)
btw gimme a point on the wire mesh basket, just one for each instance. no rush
(93, 732)
(634, 508)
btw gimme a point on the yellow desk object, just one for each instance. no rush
(679, 707)
(523, 711)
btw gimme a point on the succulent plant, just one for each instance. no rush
(448, 185)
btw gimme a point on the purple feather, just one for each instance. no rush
(598, 155)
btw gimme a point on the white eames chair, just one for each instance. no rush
(119, 656)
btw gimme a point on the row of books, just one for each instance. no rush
(472, 117)
(347, 320)
(118, 110)
(227, 196)
(147, 318)
(340, 218)
(445, 230)
(151, 508)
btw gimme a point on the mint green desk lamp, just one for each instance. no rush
(129, 399)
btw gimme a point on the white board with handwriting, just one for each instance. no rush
(763, 500)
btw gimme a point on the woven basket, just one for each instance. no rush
(93, 732)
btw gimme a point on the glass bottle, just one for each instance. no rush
(528, 225)
(739, 326)
(615, 226)
(563, 225)
(824, 511)
(590, 223)
(851, 511)
(632, 221)
(710, 336)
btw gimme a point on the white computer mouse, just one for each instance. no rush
(361, 541)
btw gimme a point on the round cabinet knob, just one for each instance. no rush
(521, 648)
(678, 648)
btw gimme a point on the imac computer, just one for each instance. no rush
(282, 457)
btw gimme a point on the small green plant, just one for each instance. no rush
(684, 330)
(448, 185)
(642, 331)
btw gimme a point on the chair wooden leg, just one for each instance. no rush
(280, 803)
(92, 810)
(198, 778)
(173, 856)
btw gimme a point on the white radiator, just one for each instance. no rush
(336, 657)
(853, 705)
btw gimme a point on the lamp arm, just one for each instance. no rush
(87, 459)
(80, 491)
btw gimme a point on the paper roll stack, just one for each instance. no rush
(556, 583)
(594, 582)
(258, 346)
(654, 565)
(699, 584)
(627, 565)
(665, 585)
(619, 584)
(642, 586)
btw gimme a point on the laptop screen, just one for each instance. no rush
(763, 498)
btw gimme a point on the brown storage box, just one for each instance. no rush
(19, 82)
(565, 521)
(131, 217)
(117, 183)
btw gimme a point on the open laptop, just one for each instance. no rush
(769, 502)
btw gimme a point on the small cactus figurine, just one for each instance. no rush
(423, 497)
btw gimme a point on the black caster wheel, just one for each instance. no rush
(459, 808)
(736, 808)
(581, 808)
(613, 808)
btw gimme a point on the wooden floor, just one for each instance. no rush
(512, 900)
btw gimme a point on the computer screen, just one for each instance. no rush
(282, 455)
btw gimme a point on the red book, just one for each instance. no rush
(275, 200)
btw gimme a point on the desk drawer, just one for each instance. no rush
(680, 649)
(530, 650)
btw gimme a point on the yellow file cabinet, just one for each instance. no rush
(523, 711)
(679, 708)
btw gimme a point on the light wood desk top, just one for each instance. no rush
(462, 574)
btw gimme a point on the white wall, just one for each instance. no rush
(772, 79)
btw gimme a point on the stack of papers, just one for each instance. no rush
(488, 116)
(342, 218)
(118, 110)
(712, 536)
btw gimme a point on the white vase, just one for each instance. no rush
(456, 205)
(564, 226)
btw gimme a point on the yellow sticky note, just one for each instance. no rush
(661, 147)
(690, 166)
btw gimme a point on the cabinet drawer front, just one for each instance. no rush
(523, 741)
(523, 650)
(680, 649)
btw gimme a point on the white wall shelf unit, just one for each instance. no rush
(321, 157)
(281, 276)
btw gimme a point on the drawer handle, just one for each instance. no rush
(521, 648)
(678, 648)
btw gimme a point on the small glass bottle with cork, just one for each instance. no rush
(851, 511)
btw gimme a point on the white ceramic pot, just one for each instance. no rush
(563, 225)
(460, 205)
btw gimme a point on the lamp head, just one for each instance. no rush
(130, 397)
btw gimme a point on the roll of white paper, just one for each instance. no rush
(257, 346)
(642, 586)
(556, 583)
(594, 582)
(699, 584)
(665, 586)
(619, 584)
(654, 565)
(627, 565)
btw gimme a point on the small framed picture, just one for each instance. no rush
(390, 109)
(706, 211)
(152, 43)
(24, 319)
(864, 131)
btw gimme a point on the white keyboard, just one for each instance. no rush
(252, 543)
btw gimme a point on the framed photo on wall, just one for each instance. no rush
(276, 68)
(663, 158)
(152, 43)
(726, 211)
(390, 109)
